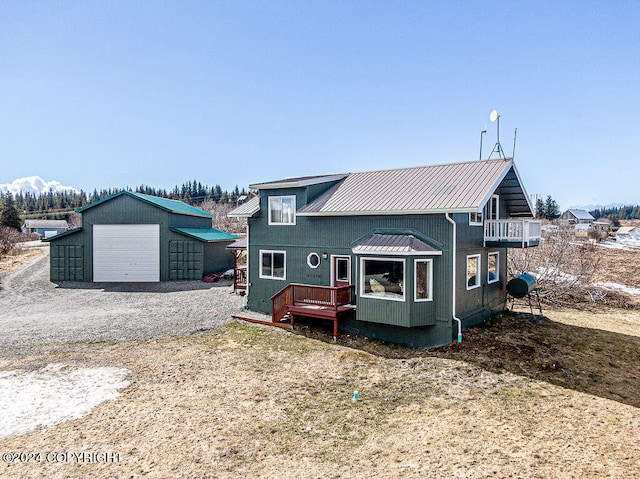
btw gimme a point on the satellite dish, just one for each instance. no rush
(493, 116)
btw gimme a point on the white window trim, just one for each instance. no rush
(267, 251)
(497, 278)
(309, 260)
(333, 273)
(478, 272)
(384, 298)
(415, 280)
(281, 198)
(493, 215)
(475, 222)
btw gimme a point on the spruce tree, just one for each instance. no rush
(9, 216)
(552, 211)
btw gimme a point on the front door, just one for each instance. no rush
(340, 270)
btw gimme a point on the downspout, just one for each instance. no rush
(453, 277)
(245, 300)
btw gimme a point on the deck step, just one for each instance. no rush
(261, 321)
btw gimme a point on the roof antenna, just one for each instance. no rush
(497, 148)
(483, 132)
(513, 153)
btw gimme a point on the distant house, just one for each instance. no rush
(628, 235)
(132, 237)
(45, 228)
(407, 255)
(602, 225)
(576, 216)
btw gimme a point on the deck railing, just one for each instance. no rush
(240, 277)
(295, 293)
(513, 231)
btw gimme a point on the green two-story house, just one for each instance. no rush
(410, 256)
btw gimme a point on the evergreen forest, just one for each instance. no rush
(58, 205)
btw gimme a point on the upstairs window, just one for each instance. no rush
(493, 208)
(475, 219)
(282, 210)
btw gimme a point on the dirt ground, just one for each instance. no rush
(518, 398)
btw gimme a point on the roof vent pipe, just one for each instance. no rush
(453, 277)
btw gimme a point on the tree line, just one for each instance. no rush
(621, 213)
(59, 204)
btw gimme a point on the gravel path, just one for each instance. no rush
(36, 314)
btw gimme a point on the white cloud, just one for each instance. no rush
(34, 185)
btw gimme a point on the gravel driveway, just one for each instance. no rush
(36, 313)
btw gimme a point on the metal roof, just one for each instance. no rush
(580, 214)
(394, 244)
(454, 187)
(298, 181)
(208, 235)
(246, 209)
(45, 224)
(238, 244)
(61, 235)
(173, 206)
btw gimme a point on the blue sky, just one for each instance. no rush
(100, 94)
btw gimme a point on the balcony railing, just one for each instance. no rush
(518, 233)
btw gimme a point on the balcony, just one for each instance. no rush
(512, 233)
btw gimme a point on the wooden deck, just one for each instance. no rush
(322, 302)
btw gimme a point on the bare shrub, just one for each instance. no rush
(9, 238)
(565, 268)
(220, 220)
(75, 220)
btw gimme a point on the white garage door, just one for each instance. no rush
(126, 253)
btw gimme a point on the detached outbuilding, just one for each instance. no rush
(133, 237)
(45, 228)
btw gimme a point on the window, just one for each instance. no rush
(313, 260)
(475, 219)
(273, 264)
(341, 270)
(493, 208)
(492, 268)
(473, 271)
(382, 278)
(282, 210)
(423, 280)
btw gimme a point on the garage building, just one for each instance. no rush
(133, 237)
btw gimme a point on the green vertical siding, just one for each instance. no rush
(216, 257)
(66, 263)
(335, 236)
(185, 260)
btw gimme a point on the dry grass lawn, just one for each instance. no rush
(555, 399)
(17, 258)
(251, 401)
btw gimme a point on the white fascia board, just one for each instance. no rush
(438, 211)
(495, 185)
(396, 253)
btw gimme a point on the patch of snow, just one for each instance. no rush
(35, 185)
(54, 394)
(620, 287)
